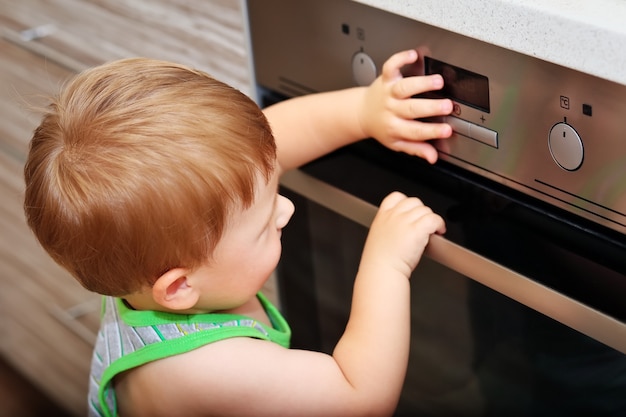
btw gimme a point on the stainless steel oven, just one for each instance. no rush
(520, 309)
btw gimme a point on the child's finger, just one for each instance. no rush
(391, 67)
(411, 86)
(414, 130)
(420, 108)
(423, 150)
(391, 200)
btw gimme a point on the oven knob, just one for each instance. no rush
(363, 69)
(566, 147)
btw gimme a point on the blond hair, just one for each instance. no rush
(136, 167)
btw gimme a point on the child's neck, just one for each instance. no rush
(252, 308)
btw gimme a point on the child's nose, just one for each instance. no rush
(285, 211)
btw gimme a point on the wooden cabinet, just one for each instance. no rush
(47, 320)
(205, 34)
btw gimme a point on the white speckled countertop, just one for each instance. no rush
(589, 36)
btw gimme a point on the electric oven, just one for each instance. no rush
(520, 308)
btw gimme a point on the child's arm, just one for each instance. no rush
(373, 351)
(311, 126)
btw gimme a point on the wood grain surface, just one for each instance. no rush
(47, 321)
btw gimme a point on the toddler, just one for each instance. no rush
(155, 185)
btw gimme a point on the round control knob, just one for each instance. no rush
(363, 69)
(566, 147)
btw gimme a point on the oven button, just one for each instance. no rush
(473, 131)
(484, 135)
(363, 69)
(460, 126)
(566, 147)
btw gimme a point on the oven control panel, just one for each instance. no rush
(545, 130)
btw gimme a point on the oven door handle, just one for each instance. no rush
(530, 293)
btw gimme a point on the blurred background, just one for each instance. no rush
(47, 321)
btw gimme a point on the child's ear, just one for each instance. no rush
(172, 290)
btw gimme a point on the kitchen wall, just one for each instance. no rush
(47, 321)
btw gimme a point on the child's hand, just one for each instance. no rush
(399, 233)
(388, 111)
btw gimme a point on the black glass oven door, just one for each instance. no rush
(486, 339)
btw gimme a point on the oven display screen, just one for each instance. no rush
(461, 85)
